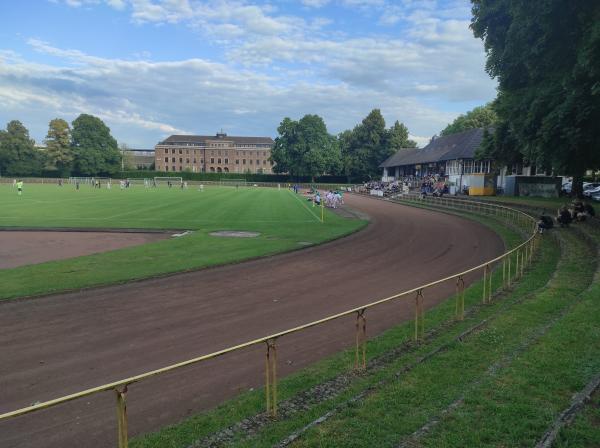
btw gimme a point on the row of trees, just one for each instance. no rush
(305, 147)
(546, 58)
(86, 148)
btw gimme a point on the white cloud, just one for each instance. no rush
(272, 65)
(145, 101)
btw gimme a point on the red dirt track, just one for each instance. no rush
(56, 345)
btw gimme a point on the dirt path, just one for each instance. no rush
(55, 345)
(20, 248)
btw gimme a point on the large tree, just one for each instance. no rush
(95, 150)
(480, 117)
(18, 156)
(59, 154)
(397, 138)
(546, 57)
(305, 148)
(368, 146)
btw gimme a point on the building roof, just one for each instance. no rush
(174, 139)
(456, 146)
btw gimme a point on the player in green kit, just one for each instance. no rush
(20, 186)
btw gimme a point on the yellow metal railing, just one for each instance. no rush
(523, 254)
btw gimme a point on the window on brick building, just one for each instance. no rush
(243, 161)
(226, 160)
(181, 151)
(181, 160)
(166, 159)
(237, 161)
(172, 159)
(212, 160)
(166, 168)
(218, 160)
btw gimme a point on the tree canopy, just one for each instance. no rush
(59, 154)
(18, 156)
(95, 150)
(546, 57)
(370, 143)
(305, 148)
(479, 117)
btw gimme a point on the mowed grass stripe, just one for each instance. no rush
(279, 219)
(145, 208)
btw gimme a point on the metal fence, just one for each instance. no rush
(513, 264)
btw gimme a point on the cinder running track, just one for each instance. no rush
(56, 345)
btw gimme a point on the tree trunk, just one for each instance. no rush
(577, 186)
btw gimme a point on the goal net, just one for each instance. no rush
(146, 182)
(233, 182)
(89, 180)
(175, 181)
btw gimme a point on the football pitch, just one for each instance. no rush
(285, 221)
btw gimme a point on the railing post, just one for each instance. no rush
(460, 298)
(361, 341)
(122, 438)
(517, 264)
(489, 284)
(271, 377)
(485, 271)
(503, 272)
(419, 317)
(522, 261)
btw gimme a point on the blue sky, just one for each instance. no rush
(152, 68)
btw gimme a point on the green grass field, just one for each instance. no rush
(284, 220)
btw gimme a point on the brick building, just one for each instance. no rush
(214, 154)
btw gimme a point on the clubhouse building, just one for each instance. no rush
(214, 154)
(453, 158)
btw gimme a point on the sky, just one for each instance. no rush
(151, 68)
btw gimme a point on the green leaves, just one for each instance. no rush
(546, 56)
(18, 156)
(480, 117)
(95, 150)
(59, 155)
(305, 148)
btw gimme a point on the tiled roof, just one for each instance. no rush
(173, 139)
(456, 146)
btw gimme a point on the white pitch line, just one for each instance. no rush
(306, 207)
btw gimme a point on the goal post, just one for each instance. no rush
(233, 182)
(165, 180)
